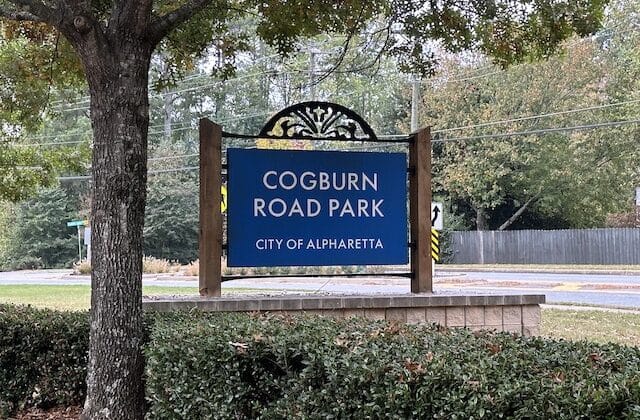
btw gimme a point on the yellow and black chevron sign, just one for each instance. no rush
(435, 245)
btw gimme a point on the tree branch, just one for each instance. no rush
(19, 16)
(30, 10)
(162, 25)
(518, 213)
(128, 15)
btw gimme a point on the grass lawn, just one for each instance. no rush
(70, 298)
(599, 326)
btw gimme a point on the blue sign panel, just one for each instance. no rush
(316, 208)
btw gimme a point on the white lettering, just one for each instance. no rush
(265, 180)
(362, 208)
(347, 209)
(324, 181)
(311, 212)
(296, 209)
(258, 207)
(292, 184)
(265, 244)
(308, 185)
(335, 182)
(283, 205)
(366, 180)
(353, 181)
(376, 208)
(333, 205)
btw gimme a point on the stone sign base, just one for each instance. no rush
(510, 313)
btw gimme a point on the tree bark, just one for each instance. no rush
(116, 54)
(118, 77)
(481, 219)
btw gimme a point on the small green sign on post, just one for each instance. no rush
(77, 224)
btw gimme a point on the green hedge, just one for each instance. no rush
(241, 366)
(234, 366)
(43, 357)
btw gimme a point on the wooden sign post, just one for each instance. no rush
(210, 239)
(420, 211)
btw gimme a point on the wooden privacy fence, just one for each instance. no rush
(573, 246)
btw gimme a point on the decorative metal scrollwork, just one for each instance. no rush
(318, 120)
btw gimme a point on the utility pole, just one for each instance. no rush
(415, 100)
(168, 99)
(312, 72)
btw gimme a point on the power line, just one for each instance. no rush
(540, 131)
(173, 157)
(521, 133)
(531, 117)
(152, 133)
(86, 98)
(160, 171)
(479, 76)
(46, 144)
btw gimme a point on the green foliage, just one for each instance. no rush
(236, 366)
(43, 358)
(39, 236)
(239, 366)
(6, 214)
(509, 32)
(563, 179)
(171, 223)
(23, 169)
(32, 58)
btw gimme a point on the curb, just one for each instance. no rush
(539, 270)
(589, 308)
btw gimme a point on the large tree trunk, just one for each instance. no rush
(118, 77)
(481, 219)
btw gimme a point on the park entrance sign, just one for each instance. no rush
(315, 207)
(292, 208)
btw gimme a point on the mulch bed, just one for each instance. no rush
(57, 413)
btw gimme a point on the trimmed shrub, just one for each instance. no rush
(43, 357)
(237, 366)
(241, 366)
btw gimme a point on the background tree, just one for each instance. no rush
(38, 233)
(171, 224)
(114, 41)
(570, 178)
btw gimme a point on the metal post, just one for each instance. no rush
(79, 244)
(420, 211)
(210, 240)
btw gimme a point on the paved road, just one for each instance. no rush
(596, 289)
